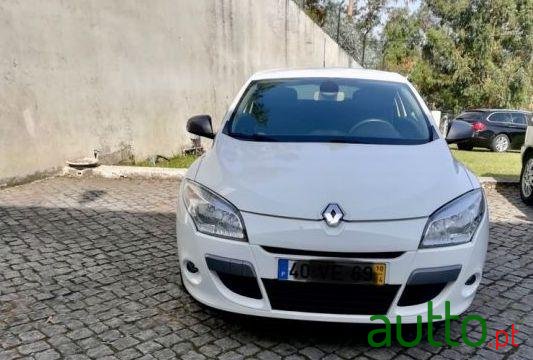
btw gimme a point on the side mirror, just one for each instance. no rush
(459, 131)
(201, 125)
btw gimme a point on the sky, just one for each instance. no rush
(413, 5)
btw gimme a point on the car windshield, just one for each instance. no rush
(329, 110)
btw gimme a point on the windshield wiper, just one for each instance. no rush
(256, 137)
(343, 141)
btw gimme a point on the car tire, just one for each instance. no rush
(500, 143)
(526, 180)
(182, 284)
(465, 146)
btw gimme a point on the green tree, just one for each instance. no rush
(315, 9)
(472, 53)
(355, 34)
(368, 19)
(402, 38)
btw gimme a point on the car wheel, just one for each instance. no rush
(500, 143)
(526, 181)
(465, 146)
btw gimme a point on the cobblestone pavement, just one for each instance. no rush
(88, 269)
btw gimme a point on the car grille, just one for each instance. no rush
(351, 255)
(330, 298)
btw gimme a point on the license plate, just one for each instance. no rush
(330, 271)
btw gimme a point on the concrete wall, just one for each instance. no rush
(107, 74)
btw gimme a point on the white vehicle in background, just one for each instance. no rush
(526, 176)
(329, 195)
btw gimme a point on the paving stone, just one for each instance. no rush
(49, 354)
(90, 270)
(165, 354)
(230, 355)
(99, 352)
(32, 348)
(124, 343)
(80, 333)
(268, 355)
(250, 349)
(31, 336)
(9, 341)
(9, 354)
(149, 347)
(312, 353)
(169, 340)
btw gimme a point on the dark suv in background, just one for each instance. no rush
(526, 177)
(496, 129)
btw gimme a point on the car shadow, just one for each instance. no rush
(325, 333)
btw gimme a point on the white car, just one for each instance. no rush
(526, 176)
(329, 195)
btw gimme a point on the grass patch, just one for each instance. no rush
(178, 161)
(483, 162)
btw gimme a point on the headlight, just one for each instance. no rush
(212, 214)
(456, 222)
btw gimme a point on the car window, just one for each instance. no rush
(329, 110)
(470, 116)
(519, 118)
(501, 117)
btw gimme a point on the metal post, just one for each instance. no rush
(339, 20)
(324, 53)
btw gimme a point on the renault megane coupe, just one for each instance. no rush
(330, 195)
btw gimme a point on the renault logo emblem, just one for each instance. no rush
(333, 215)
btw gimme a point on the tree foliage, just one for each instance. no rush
(466, 53)
(460, 54)
(315, 9)
(370, 18)
(355, 34)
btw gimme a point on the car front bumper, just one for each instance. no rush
(209, 286)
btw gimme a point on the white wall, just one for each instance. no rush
(104, 74)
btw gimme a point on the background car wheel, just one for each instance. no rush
(500, 143)
(526, 180)
(465, 146)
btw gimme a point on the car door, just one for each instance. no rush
(518, 129)
(499, 122)
(528, 143)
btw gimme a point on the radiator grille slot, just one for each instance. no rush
(330, 298)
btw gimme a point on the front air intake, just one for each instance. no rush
(330, 298)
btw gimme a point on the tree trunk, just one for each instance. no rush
(351, 6)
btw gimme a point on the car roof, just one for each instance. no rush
(494, 110)
(348, 73)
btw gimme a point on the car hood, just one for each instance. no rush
(368, 182)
